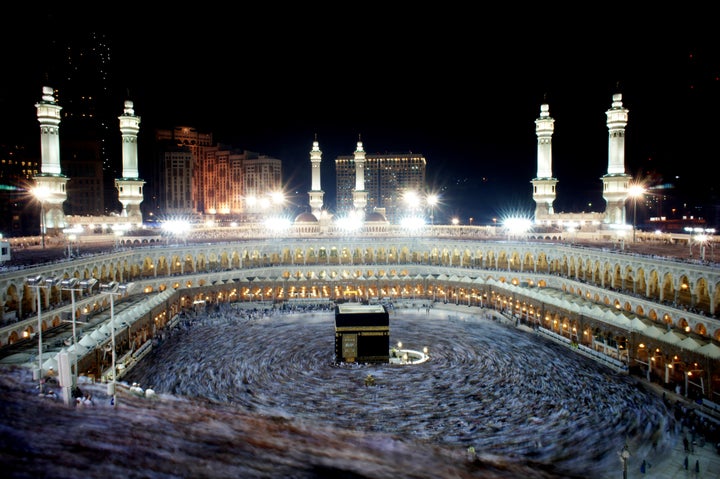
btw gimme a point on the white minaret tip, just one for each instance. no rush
(48, 94)
(129, 108)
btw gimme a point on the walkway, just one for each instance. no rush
(672, 465)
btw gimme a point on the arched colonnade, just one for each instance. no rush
(667, 296)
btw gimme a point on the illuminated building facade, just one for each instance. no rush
(202, 178)
(174, 181)
(387, 178)
(235, 183)
(262, 178)
(177, 185)
(17, 169)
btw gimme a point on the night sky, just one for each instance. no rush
(460, 87)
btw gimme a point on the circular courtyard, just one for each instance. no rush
(486, 387)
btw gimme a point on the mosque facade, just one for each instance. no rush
(361, 189)
(51, 183)
(617, 183)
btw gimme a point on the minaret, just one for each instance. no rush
(544, 184)
(359, 195)
(616, 182)
(50, 184)
(130, 186)
(316, 193)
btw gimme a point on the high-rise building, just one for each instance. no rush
(174, 177)
(262, 183)
(220, 185)
(196, 177)
(80, 69)
(85, 184)
(388, 177)
(17, 169)
(176, 184)
(237, 183)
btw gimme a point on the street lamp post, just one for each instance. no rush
(118, 235)
(624, 456)
(634, 218)
(42, 223)
(38, 282)
(113, 289)
(636, 191)
(690, 238)
(72, 285)
(70, 241)
(41, 193)
(702, 239)
(432, 201)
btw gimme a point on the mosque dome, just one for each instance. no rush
(306, 218)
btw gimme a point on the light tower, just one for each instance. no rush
(316, 193)
(359, 194)
(616, 182)
(544, 192)
(130, 185)
(50, 181)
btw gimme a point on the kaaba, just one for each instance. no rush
(362, 333)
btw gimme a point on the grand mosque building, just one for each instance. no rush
(635, 312)
(354, 174)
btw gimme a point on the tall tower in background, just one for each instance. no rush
(544, 184)
(50, 183)
(80, 68)
(616, 182)
(130, 186)
(316, 193)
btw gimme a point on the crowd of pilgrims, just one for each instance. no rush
(487, 386)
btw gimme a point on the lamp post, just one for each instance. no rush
(689, 231)
(72, 285)
(277, 200)
(634, 218)
(38, 282)
(118, 233)
(112, 289)
(35, 282)
(41, 193)
(70, 240)
(702, 239)
(432, 200)
(42, 223)
(635, 191)
(71, 236)
(624, 456)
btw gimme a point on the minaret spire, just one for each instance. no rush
(50, 183)
(616, 182)
(359, 195)
(130, 185)
(48, 113)
(544, 192)
(316, 194)
(129, 127)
